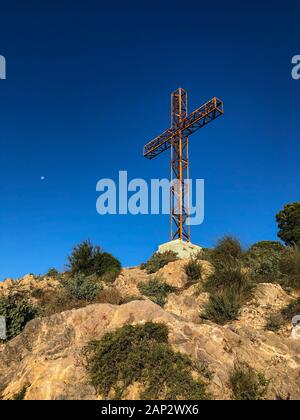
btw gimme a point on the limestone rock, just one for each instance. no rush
(27, 284)
(6, 284)
(47, 356)
(188, 304)
(267, 299)
(127, 282)
(174, 273)
(267, 294)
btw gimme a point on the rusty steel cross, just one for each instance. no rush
(176, 138)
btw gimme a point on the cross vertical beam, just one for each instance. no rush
(176, 138)
(179, 211)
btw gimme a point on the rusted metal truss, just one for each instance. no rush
(176, 139)
(179, 200)
(199, 118)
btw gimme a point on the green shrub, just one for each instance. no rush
(228, 248)
(289, 224)
(157, 290)
(159, 260)
(223, 306)
(264, 263)
(141, 354)
(110, 276)
(18, 311)
(110, 295)
(289, 265)
(82, 258)
(248, 385)
(53, 302)
(106, 264)
(37, 293)
(267, 246)
(229, 287)
(193, 270)
(229, 275)
(83, 287)
(88, 259)
(52, 272)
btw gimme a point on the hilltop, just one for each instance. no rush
(235, 350)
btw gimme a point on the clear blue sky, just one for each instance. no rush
(88, 83)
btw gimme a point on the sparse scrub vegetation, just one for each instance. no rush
(284, 317)
(236, 272)
(110, 295)
(83, 287)
(193, 270)
(159, 260)
(228, 248)
(289, 265)
(248, 385)
(53, 302)
(232, 275)
(157, 290)
(223, 306)
(263, 261)
(52, 272)
(141, 354)
(267, 246)
(17, 310)
(229, 285)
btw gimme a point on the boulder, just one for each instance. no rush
(48, 356)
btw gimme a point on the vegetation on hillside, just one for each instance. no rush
(283, 317)
(193, 270)
(87, 259)
(237, 270)
(17, 310)
(229, 284)
(159, 260)
(90, 269)
(82, 287)
(141, 354)
(247, 384)
(156, 289)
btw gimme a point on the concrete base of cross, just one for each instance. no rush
(183, 249)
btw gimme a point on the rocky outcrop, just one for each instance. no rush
(189, 304)
(175, 275)
(28, 284)
(129, 279)
(48, 355)
(267, 299)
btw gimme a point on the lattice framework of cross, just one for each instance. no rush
(176, 138)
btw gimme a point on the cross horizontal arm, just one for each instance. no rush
(196, 120)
